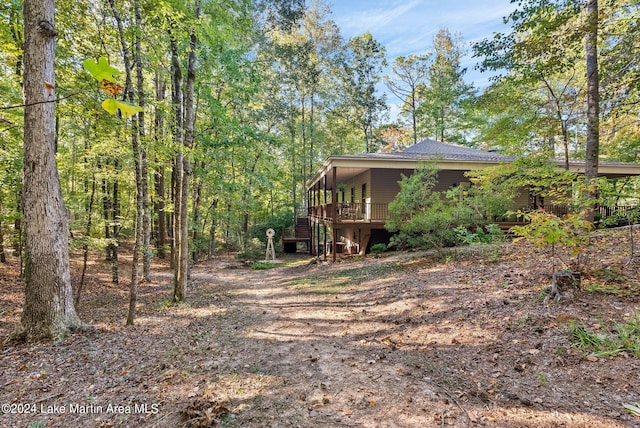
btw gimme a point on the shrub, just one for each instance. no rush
(422, 217)
(378, 248)
(487, 235)
(624, 219)
(263, 265)
(546, 230)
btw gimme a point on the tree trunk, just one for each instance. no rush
(144, 181)
(3, 258)
(114, 242)
(18, 232)
(593, 109)
(135, 144)
(189, 123)
(107, 210)
(197, 193)
(48, 310)
(212, 229)
(179, 274)
(161, 230)
(85, 246)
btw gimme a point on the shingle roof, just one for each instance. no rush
(432, 149)
(436, 149)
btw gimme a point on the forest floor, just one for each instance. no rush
(399, 340)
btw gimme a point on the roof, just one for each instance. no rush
(432, 149)
(449, 157)
(440, 150)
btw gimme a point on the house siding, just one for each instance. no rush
(384, 183)
(355, 185)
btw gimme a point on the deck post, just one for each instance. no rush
(334, 203)
(324, 250)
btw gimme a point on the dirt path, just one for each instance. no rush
(401, 341)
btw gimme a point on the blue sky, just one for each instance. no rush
(407, 27)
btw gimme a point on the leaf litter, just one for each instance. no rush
(404, 340)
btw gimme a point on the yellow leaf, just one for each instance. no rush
(127, 110)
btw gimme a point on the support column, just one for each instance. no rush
(334, 211)
(325, 243)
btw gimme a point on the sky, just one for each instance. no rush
(407, 27)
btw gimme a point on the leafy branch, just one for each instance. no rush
(105, 74)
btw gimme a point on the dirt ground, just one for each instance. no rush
(400, 340)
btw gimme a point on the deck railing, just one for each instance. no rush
(350, 212)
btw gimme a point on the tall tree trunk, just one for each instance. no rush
(135, 144)
(114, 224)
(212, 229)
(189, 123)
(144, 181)
(593, 108)
(161, 230)
(197, 230)
(85, 246)
(3, 257)
(179, 275)
(48, 310)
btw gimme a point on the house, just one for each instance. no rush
(349, 195)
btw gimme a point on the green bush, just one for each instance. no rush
(263, 265)
(422, 217)
(617, 220)
(489, 234)
(378, 248)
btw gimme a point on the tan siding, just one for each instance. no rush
(447, 179)
(384, 184)
(522, 200)
(385, 187)
(356, 184)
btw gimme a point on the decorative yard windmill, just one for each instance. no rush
(271, 252)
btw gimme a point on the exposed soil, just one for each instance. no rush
(403, 340)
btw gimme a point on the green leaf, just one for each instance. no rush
(127, 110)
(633, 409)
(101, 70)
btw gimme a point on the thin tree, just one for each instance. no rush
(441, 110)
(135, 144)
(593, 106)
(183, 162)
(48, 311)
(364, 69)
(409, 75)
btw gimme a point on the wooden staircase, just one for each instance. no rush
(302, 234)
(303, 229)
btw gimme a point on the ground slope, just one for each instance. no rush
(405, 340)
